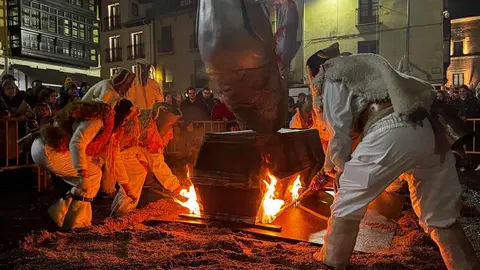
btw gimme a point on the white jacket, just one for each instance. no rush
(103, 91)
(84, 133)
(145, 96)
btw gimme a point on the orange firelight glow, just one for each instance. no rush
(191, 203)
(297, 185)
(271, 205)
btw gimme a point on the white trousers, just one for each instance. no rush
(68, 213)
(388, 151)
(156, 163)
(137, 173)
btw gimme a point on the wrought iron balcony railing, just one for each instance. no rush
(369, 15)
(111, 23)
(113, 54)
(135, 51)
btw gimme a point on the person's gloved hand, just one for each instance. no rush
(319, 181)
(128, 191)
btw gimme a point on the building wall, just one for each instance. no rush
(467, 62)
(125, 32)
(332, 21)
(177, 68)
(9, 60)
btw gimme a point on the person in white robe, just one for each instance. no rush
(110, 91)
(396, 139)
(75, 163)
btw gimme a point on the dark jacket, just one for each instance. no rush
(467, 108)
(196, 111)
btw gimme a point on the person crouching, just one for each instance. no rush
(142, 151)
(84, 136)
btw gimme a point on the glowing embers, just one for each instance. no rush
(192, 202)
(271, 205)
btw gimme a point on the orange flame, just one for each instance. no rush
(271, 205)
(297, 185)
(191, 203)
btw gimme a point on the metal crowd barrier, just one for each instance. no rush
(11, 158)
(473, 148)
(175, 146)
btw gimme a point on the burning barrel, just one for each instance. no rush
(231, 168)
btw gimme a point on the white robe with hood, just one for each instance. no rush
(390, 146)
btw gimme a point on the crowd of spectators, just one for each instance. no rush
(38, 103)
(467, 104)
(201, 106)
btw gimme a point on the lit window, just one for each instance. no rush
(458, 79)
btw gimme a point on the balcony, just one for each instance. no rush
(113, 55)
(111, 23)
(369, 15)
(135, 51)
(165, 46)
(193, 42)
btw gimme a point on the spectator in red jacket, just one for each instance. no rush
(220, 112)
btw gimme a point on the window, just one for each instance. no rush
(370, 46)
(458, 79)
(52, 24)
(13, 16)
(93, 54)
(113, 70)
(35, 19)
(458, 48)
(81, 31)
(77, 50)
(66, 28)
(114, 42)
(63, 47)
(166, 43)
(134, 9)
(137, 38)
(25, 16)
(136, 49)
(15, 40)
(78, 2)
(91, 5)
(114, 52)
(29, 41)
(134, 69)
(368, 11)
(113, 20)
(44, 17)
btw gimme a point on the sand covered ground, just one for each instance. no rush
(131, 242)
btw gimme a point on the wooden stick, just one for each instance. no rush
(313, 213)
(290, 204)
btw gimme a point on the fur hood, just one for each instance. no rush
(373, 78)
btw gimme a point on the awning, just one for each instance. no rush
(51, 76)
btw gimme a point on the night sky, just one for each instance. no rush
(464, 8)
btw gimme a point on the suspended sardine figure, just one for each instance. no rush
(238, 49)
(286, 36)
